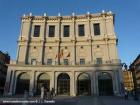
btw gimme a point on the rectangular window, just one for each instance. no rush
(51, 31)
(98, 60)
(49, 62)
(66, 62)
(82, 61)
(96, 29)
(36, 30)
(33, 62)
(81, 30)
(66, 30)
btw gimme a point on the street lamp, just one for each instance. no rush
(132, 69)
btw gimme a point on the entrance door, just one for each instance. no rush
(105, 84)
(63, 84)
(43, 80)
(23, 82)
(83, 84)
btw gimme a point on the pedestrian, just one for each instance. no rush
(52, 93)
(126, 94)
(47, 93)
(42, 92)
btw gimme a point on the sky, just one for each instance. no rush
(127, 20)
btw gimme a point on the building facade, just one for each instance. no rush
(128, 80)
(75, 55)
(4, 59)
(136, 72)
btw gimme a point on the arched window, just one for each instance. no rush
(105, 84)
(43, 80)
(63, 84)
(23, 82)
(83, 84)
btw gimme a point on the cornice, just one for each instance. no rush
(76, 17)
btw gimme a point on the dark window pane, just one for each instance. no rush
(82, 61)
(81, 30)
(51, 31)
(33, 61)
(66, 30)
(36, 31)
(97, 29)
(49, 62)
(98, 60)
(66, 62)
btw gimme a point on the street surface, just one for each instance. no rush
(82, 100)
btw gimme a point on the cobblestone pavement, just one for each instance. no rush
(83, 100)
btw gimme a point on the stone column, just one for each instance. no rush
(90, 39)
(72, 84)
(42, 36)
(32, 80)
(7, 82)
(73, 38)
(27, 31)
(52, 80)
(12, 83)
(92, 84)
(55, 82)
(96, 90)
(58, 39)
(73, 54)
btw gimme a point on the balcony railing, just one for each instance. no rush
(95, 62)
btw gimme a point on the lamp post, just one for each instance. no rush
(132, 69)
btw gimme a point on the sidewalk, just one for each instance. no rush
(80, 100)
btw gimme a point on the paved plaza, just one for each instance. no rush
(83, 100)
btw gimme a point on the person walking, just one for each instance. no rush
(52, 93)
(126, 94)
(42, 92)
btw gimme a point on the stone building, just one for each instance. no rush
(4, 59)
(135, 68)
(128, 80)
(75, 55)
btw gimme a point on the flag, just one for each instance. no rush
(68, 54)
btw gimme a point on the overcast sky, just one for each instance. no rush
(127, 20)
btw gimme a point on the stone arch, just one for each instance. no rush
(43, 79)
(105, 85)
(23, 83)
(63, 84)
(83, 84)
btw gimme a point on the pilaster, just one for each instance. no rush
(7, 82)
(72, 84)
(12, 83)
(32, 82)
(52, 82)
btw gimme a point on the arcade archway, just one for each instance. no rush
(105, 84)
(63, 84)
(43, 80)
(83, 84)
(23, 83)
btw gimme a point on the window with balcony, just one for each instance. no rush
(98, 60)
(81, 30)
(36, 30)
(96, 29)
(33, 62)
(66, 62)
(66, 30)
(51, 31)
(82, 61)
(49, 62)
